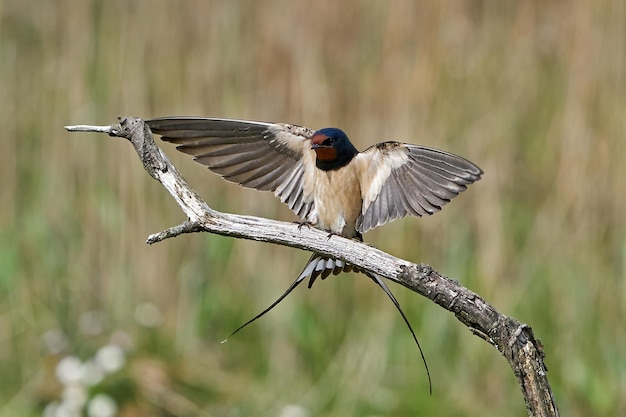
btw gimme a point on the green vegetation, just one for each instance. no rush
(533, 92)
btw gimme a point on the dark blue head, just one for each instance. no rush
(333, 148)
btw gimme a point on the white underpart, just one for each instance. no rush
(312, 217)
(337, 200)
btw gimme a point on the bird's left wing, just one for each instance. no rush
(398, 179)
(266, 156)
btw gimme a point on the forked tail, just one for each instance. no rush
(321, 266)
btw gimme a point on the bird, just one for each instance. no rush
(324, 179)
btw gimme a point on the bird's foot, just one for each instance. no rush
(302, 224)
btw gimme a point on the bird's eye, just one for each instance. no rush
(328, 142)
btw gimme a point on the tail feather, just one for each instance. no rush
(321, 266)
(325, 266)
(381, 283)
(307, 270)
(317, 266)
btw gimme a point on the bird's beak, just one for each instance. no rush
(319, 145)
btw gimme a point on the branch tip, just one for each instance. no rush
(186, 227)
(89, 128)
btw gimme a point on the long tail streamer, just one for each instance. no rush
(308, 269)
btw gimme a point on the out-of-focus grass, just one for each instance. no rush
(532, 92)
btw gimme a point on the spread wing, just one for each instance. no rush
(399, 179)
(265, 156)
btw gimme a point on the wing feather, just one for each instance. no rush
(410, 202)
(400, 179)
(265, 156)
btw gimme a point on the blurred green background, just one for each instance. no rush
(534, 92)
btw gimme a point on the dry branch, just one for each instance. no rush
(514, 340)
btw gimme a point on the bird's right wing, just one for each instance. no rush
(266, 156)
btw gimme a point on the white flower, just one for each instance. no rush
(110, 358)
(92, 373)
(92, 322)
(64, 410)
(148, 315)
(55, 341)
(51, 409)
(74, 397)
(293, 410)
(69, 370)
(102, 405)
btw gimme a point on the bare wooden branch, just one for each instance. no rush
(514, 340)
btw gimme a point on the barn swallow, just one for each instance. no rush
(324, 179)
